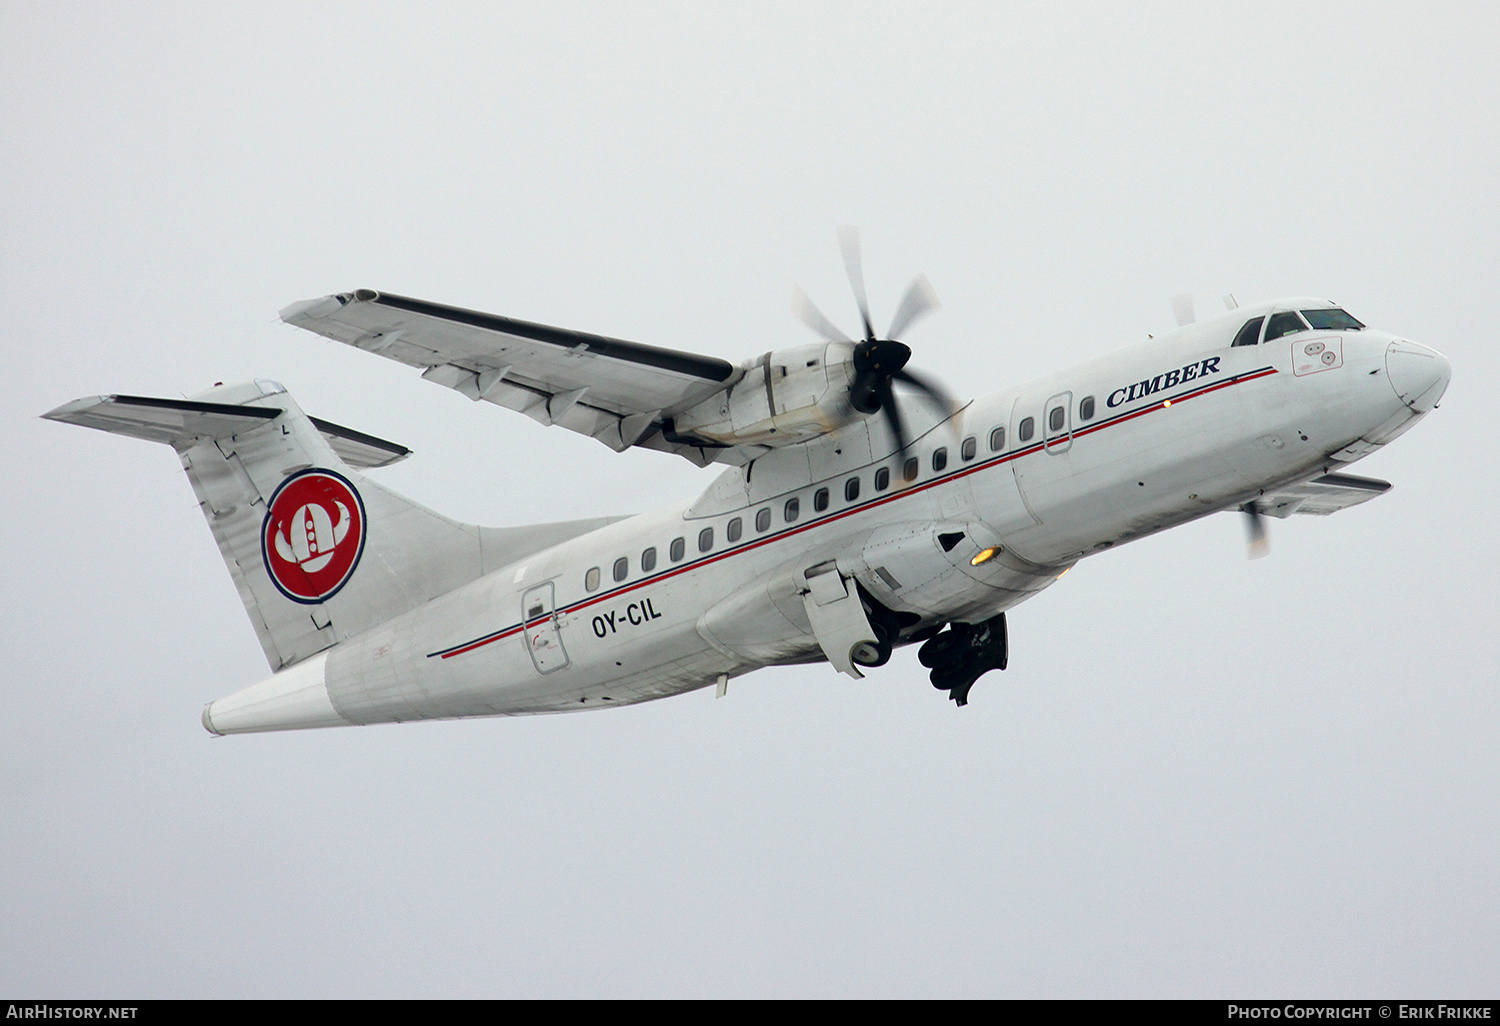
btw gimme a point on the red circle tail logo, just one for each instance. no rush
(313, 535)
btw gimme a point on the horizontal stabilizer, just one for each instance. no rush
(176, 422)
(359, 449)
(180, 422)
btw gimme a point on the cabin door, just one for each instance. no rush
(543, 639)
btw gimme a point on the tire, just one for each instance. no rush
(943, 648)
(872, 653)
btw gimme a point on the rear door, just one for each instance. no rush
(543, 639)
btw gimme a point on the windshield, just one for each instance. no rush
(1283, 324)
(1331, 320)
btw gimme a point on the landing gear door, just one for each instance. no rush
(1057, 423)
(838, 620)
(543, 639)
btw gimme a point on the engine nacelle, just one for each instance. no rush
(786, 396)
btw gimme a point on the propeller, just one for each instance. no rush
(1255, 529)
(878, 362)
(1182, 309)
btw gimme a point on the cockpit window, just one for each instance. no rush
(1249, 334)
(1284, 324)
(1331, 320)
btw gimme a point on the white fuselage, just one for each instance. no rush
(1178, 427)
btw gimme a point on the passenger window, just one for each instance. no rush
(622, 568)
(678, 549)
(851, 489)
(591, 579)
(909, 470)
(705, 539)
(820, 500)
(792, 510)
(969, 448)
(1055, 418)
(997, 439)
(734, 530)
(763, 519)
(1086, 409)
(1283, 324)
(1026, 429)
(1250, 334)
(939, 458)
(648, 560)
(882, 479)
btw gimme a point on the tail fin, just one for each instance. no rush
(318, 552)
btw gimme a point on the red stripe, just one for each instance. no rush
(900, 493)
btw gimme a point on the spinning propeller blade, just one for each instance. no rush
(935, 393)
(811, 316)
(878, 362)
(1182, 308)
(849, 243)
(918, 302)
(887, 402)
(1255, 530)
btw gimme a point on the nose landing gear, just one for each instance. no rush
(963, 653)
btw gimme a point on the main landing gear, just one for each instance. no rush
(957, 656)
(963, 653)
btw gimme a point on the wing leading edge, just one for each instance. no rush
(622, 393)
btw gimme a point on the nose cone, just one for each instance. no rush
(1418, 374)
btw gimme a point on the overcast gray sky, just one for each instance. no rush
(1201, 775)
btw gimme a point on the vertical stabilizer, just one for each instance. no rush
(317, 551)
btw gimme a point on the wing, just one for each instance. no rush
(621, 393)
(1323, 495)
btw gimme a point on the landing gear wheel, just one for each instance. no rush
(963, 653)
(872, 653)
(942, 649)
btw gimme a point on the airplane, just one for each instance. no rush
(849, 519)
